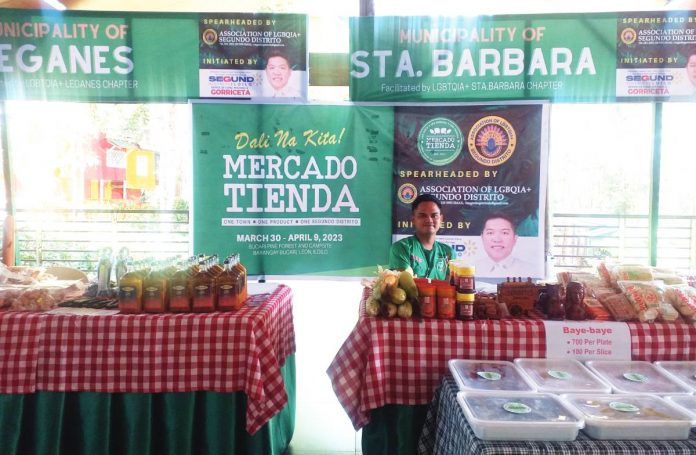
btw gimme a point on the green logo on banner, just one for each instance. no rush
(440, 141)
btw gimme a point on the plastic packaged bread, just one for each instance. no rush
(683, 298)
(619, 306)
(633, 273)
(645, 296)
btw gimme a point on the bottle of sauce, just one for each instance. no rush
(226, 292)
(203, 289)
(155, 292)
(180, 290)
(240, 281)
(130, 293)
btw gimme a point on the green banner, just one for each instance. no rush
(118, 56)
(294, 189)
(656, 55)
(487, 166)
(259, 56)
(557, 57)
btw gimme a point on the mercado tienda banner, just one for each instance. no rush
(600, 57)
(118, 56)
(294, 189)
(488, 167)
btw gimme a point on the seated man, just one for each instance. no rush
(427, 257)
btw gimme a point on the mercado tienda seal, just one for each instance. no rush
(440, 141)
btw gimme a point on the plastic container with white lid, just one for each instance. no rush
(488, 375)
(520, 416)
(635, 377)
(683, 371)
(686, 403)
(561, 376)
(612, 416)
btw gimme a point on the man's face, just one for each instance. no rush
(426, 218)
(498, 238)
(691, 69)
(278, 72)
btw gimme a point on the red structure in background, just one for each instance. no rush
(105, 171)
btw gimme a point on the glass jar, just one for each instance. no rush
(465, 305)
(427, 297)
(446, 302)
(465, 279)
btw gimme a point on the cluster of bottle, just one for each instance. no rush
(200, 284)
(451, 299)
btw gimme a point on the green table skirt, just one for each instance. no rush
(394, 430)
(92, 423)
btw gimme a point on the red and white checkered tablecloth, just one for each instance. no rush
(662, 341)
(150, 353)
(19, 350)
(402, 361)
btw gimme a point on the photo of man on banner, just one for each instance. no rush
(498, 237)
(279, 80)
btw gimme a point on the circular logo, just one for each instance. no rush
(517, 408)
(628, 36)
(558, 374)
(492, 141)
(210, 36)
(623, 407)
(440, 141)
(407, 193)
(489, 375)
(635, 377)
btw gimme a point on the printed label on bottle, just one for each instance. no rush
(202, 290)
(126, 293)
(225, 289)
(623, 407)
(489, 375)
(178, 290)
(516, 407)
(635, 377)
(152, 292)
(563, 375)
(427, 306)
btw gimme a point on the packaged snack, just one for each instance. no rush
(633, 273)
(667, 312)
(645, 296)
(620, 307)
(668, 277)
(683, 298)
(605, 272)
(596, 310)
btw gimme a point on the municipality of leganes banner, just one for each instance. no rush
(487, 166)
(294, 189)
(120, 56)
